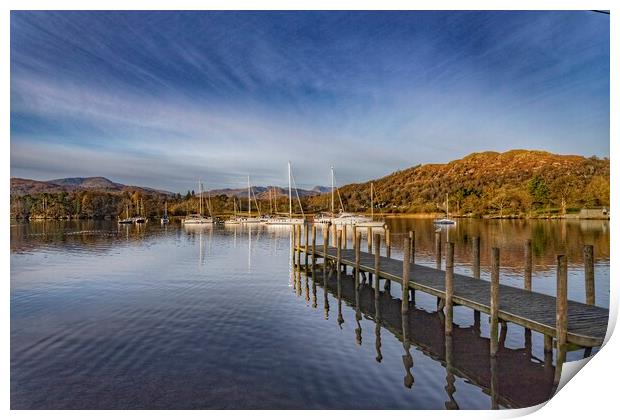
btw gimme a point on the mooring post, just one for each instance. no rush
(369, 235)
(293, 242)
(494, 300)
(588, 259)
(358, 241)
(377, 244)
(449, 286)
(353, 236)
(438, 250)
(527, 280)
(344, 233)
(388, 243)
(411, 241)
(405, 279)
(325, 246)
(313, 244)
(306, 241)
(476, 256)
(338, 257)
(335, 228)
(561, 317)
(298, 245)
(476, 269)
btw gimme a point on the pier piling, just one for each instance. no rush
(388, 243)
(313, 245)
(306, 242)
(494, 301)
(588, 259)
(405, 278)
(561, 316)
(438, 250)
(449, 286)
(377, 245)
(527, 281)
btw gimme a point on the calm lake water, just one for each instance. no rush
(114, 317)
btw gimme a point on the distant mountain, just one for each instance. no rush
(264, 192)
(96, 182)
(21, 186)
(321, 190)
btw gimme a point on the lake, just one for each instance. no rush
(107, 316)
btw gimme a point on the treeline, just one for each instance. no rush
(93, 204)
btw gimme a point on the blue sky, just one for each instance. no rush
(163, 98)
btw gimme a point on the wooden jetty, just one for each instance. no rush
(556, 318)
(517, 380)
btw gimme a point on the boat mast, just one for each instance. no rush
(249, 198)
(332, 171)
(290, 196)
(200, 197)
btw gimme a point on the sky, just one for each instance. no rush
(162, 99)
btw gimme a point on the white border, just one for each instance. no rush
(590, 395)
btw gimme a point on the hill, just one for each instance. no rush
(262, 193)
(21, 186)
(516, 182)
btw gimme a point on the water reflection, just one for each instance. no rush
(200, 316)
(513, 378)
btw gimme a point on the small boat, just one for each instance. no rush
(445, 220)
(127, 220)
(198, 219)
(164, 219)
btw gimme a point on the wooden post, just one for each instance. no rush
(313, 244)
(338, 256)
(344, 234)
(377, 244)
(298, 245)
(561, 317)
(548, 344)
(412, 246)
(369, 235)
(306, 241)
(354, 236)
(494, 300)
(527, 281)
(293, 242)
(438, 249)
(388, 243)
(405, 279)
(325, 246)
(588, 259)
(449, 286)
(358, 241)
(476, 256)
(476, 269)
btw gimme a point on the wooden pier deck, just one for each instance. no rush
(587, 324)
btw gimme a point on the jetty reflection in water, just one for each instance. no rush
(109, 316)
(514, 378)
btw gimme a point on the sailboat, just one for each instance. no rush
(164, 218)
(446, 220)
(249, 219)
(235, 220)
(198, 219)
(290, 220)
(127, 220)
(345, 218)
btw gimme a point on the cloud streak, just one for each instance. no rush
(161, 98)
